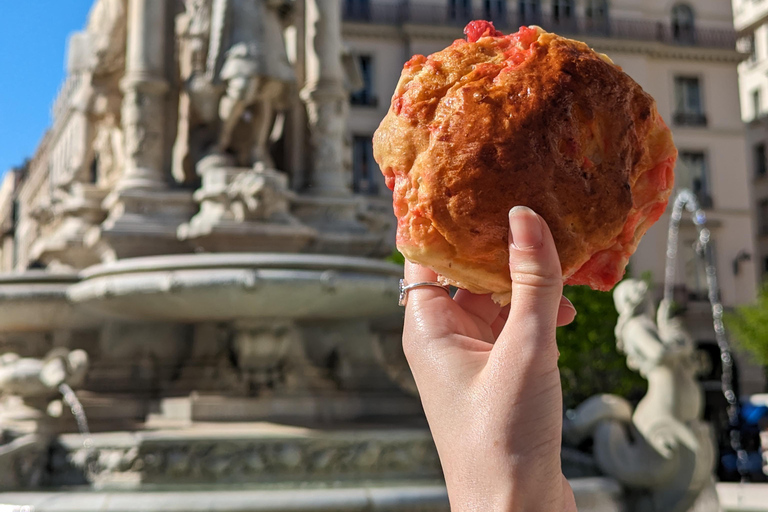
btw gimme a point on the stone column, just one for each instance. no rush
(144, 87)
(144, 212)
(326, 99)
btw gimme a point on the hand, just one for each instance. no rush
(489, 381)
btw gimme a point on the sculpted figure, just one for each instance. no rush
(100, 59)
(29, 386)
(198, 99)
(246, 72)
(662, 449)
(36, 381)
(260, 195)
(108, 143)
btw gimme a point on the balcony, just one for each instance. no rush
(390, 12)
(689, 119)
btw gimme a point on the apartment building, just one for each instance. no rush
(682, 53)
(750, 19)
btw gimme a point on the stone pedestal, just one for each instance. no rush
(141, 223)
(244, 209)
(345, 225)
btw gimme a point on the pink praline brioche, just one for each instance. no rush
(530, 119)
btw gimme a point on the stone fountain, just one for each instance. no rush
(191, 261)
(197, 282)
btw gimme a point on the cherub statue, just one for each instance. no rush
(663, 449)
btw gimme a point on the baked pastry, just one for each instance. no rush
(530, 119)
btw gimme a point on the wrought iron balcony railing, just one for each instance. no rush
(689, 119)
(388, 12)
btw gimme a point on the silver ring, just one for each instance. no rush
(404, 288)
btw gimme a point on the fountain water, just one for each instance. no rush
(666, 463)
(77, 411)
(687, 200)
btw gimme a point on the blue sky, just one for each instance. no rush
(33, 35)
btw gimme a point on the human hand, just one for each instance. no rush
(489, 381)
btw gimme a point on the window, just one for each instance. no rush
(529, 12)
(365, 172)
(691, 173)
(760, 163)
(756, 104)
(762, 213)
(357, 9)
(596, 10)
(460, 10)
(495, 10)
(682, 24)
(688, 107)
(365, 95)
(748, 45)
(562, 10)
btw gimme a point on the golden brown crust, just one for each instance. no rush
(481, 127)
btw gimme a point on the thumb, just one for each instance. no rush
(537, 280)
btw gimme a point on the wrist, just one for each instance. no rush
(508, 490)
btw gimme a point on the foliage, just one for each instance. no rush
(749, 326)
(396, 257)
(589, 360)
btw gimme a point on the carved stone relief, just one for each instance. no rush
(268, 460)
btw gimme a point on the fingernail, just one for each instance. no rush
(525, 227)
(568, 304)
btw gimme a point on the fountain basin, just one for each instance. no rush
(595, 495)
(219, 287)
(37, 301)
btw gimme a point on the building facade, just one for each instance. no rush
(751, 22)
(683, 54)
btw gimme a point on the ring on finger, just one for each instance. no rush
(405, 288)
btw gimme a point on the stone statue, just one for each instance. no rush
(98, 54)
(108, 142)
(271, 358)
(28, 388)
(244, 76)
(662, 449)
(198, 100)
(31, 385)
(260, 195)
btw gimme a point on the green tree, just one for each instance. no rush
(589, 360)
(396, 257)
(749, 326)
